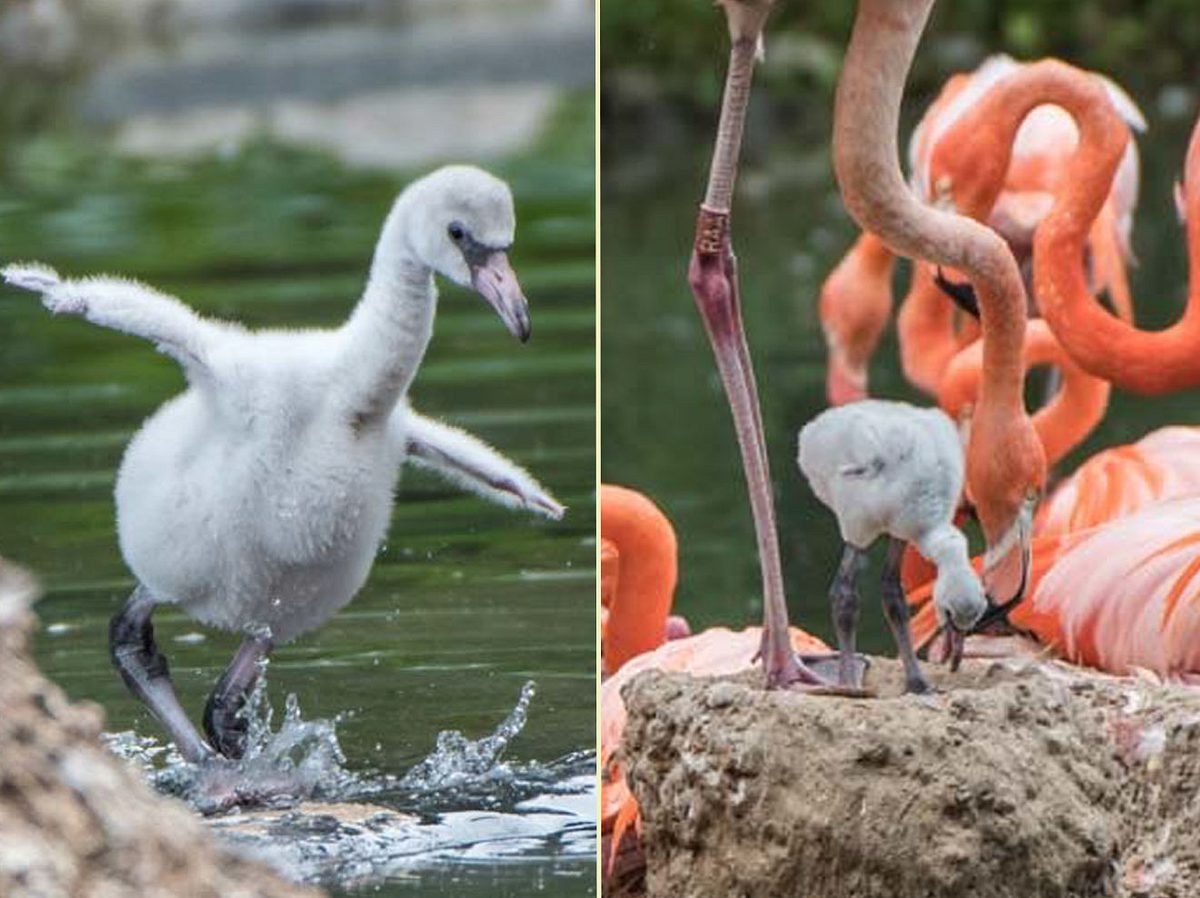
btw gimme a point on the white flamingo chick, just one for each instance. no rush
(257, 499)
(889, 468)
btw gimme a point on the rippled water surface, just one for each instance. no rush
(467, 602)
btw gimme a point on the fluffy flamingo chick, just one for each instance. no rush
(891, 469)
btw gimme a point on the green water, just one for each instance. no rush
(466, 601)
(666, 427)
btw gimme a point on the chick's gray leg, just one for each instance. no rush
(224, 722)
(843, 598)
(895, 609)
(144, 669)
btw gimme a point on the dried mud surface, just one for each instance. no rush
(1029, 779)
(74, 821)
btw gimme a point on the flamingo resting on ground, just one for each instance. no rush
(1122, 596)
(856, 298)
(257, 499)
(889, 468)
(1005, 464)
(1119, 481)
(643, 539)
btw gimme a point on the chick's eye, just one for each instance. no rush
(456, 232)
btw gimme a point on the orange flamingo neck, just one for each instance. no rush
(873, 254)
(1191, 194)
(1141, 361)
(865, 157)
(854, 306)
(1005, 465)
(1065, 422)
(646, 559)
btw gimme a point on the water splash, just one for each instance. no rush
(299, 761)
(293, 802)
(457, 761)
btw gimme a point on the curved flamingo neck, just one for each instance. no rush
(866, 123)
(855, 303)
(1076, 411)
(1005, 465)
(647, 557)
(1065, 422)
(1191, 193)
(1133, 359)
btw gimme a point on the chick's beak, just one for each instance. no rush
(496, 282)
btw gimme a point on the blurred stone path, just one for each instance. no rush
(472, 84)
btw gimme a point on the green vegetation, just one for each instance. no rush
(672, 44)
(262, 208)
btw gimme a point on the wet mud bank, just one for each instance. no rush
(74, 820)
(1025, 778)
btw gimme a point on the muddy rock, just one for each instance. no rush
(74, 821)
(1016, 779)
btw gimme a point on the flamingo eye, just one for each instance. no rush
(456, 232)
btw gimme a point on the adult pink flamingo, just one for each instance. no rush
(1005, 463)
(1121, 596)
(1124, 595)
(1116, 482)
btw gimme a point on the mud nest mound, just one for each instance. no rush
(1029, 779)
(74, 821)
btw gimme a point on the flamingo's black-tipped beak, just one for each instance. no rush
(495, 281)
(1008, 561)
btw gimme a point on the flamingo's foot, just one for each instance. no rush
(819, 678)
(918, 685)
(830, 666)
(785, 669)
(222, 785)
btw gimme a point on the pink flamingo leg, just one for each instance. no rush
(712, 275)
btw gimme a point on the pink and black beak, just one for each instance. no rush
(950, 642)
(493, 279)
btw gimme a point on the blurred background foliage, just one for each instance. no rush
(676, 49)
